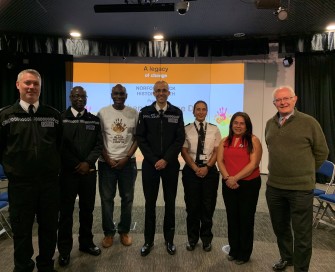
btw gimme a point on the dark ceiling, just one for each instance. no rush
(206, 19)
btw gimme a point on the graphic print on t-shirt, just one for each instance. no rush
(119, 127)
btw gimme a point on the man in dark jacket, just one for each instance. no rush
(160, 136)
(81, 147)
(30, 136)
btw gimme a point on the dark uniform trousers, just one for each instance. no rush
(200, 198)
(150, 181)
(241, 206)
(84, 186)
(292, 210)
(30, 197)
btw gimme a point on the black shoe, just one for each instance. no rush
(93, 250)
(30, 267)
(190, 246)
(170, 248)
(64, 260)
(145, 250)
(207, 247)
(281, 265)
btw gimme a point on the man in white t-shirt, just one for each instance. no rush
(117, 165)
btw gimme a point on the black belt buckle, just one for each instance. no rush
(201, 164)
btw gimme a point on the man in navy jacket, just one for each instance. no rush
(160, 135)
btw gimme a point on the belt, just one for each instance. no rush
(205, 165)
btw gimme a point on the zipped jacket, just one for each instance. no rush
(29, 145)
(160, 136)
(81, 141)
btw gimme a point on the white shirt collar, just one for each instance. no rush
(26, 105)
(285, 117)
(75, 112)
(197, 123)
(158, 108)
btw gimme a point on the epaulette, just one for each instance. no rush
(47, 106)
(188, 124)
(212, 124)
(6, 107)
(91, 115)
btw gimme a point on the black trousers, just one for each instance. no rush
(200, 198)
(292, 210)
(150, 181)
(29, 198)
(240, 208)
(85, 187)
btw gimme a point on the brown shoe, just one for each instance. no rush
(125, 239)
(107, 241)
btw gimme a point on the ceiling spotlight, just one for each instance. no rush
(281, 13)
(182, 7)
(75, 34)
(287, 61)
(330, 27)
(158, 37)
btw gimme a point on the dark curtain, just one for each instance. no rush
(315, 87)
(29, 44)
(55, 70)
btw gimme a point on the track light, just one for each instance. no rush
(281, 13)
(287, 61)
(182, 7)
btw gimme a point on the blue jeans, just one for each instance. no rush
(109, 178)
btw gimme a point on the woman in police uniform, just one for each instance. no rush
(200, 177)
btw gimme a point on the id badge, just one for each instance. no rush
(203, 157)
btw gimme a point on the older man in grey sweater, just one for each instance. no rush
(297, 148)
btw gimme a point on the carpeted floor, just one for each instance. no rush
(120, 258)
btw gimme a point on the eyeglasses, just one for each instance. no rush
(284, 99)
(77, 96)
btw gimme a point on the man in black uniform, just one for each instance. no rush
(160, 136)
(81, 147)
(30, 136)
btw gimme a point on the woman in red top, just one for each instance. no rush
(239, 155)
